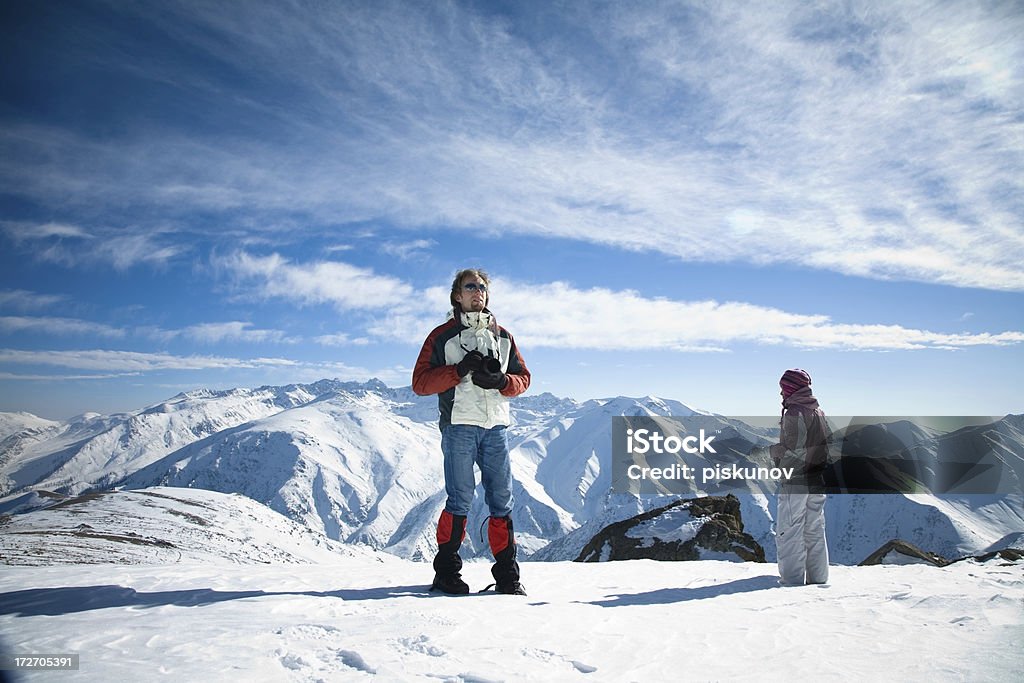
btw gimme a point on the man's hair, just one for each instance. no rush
(462, 275)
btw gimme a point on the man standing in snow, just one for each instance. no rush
(800, 521)
(474, 367)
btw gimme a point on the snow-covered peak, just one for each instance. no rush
(649, 406)
(12, 423)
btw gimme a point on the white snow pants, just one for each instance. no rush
(800, 537)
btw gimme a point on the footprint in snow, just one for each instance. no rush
(423, 646)
(354, 660)
(548, 656)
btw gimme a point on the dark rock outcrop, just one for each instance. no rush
(701, 528)
(898, 551)
(1007, 555)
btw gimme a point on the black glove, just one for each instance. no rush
(490, 380)
(473, 360)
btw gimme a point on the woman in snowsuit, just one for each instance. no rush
(800, 521)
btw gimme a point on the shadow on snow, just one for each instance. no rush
(74, 599)
(69, 600)
(665, 596)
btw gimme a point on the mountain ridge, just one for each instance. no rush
(361, 463)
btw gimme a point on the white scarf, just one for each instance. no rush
(479, 335)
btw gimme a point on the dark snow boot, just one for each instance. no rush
(451, 529)
(503, 546)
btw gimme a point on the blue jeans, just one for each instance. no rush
(466, 445)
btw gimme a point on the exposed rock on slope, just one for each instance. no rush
(697, 529)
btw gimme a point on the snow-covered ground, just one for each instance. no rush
(364, 618)
(203, 585)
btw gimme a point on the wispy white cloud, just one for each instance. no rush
(405, 251)
(25, 232)
(204, 333)
(341, 339)
(873, 139)
(24, 300)
(57, 377)
(70, 245)
(124, 252)
(101, 360)
(567, 317)
(56, 326)
(607, 320)
(98, 364)
(215, 333)
(345, 286)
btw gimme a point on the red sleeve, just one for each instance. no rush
(518, 374)
(431, 375)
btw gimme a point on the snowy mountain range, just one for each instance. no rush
(360, 464)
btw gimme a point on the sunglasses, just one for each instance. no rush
(474, 287)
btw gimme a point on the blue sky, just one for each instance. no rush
(677, 199)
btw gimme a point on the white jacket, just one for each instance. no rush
(459, 401)
(475, 406)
